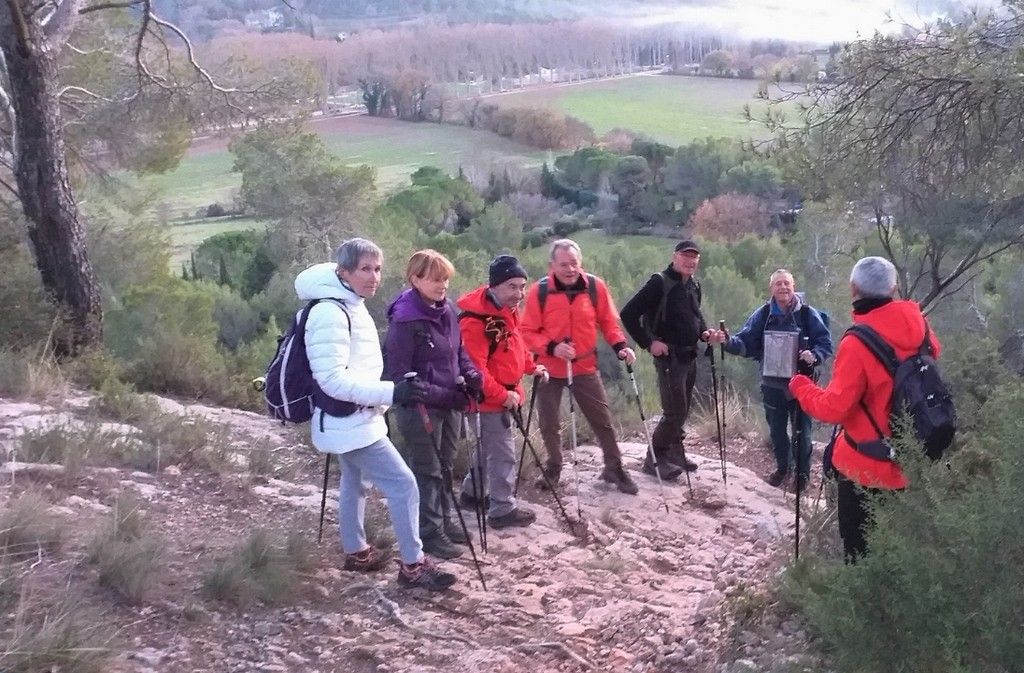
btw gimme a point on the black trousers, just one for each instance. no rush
(854, 517)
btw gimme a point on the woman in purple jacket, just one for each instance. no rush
(423, 336)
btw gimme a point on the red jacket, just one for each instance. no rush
(579, 320)
(857, 375)
(493, 340)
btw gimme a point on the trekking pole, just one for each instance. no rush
(797, 436)
(650, 444)
(572, 438)
(517, 417)
(446, 476)
(710, 352)
(478, 480)
(323, 499)
(526, 430)
(721, 387)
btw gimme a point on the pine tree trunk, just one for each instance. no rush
(44, 188)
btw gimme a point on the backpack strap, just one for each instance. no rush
(491, 334)
(543, 289)
(666, 286)
(882, 352)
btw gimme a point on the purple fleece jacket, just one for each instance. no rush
(425, 338)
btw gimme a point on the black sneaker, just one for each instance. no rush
(689, 465)
(368, 560)
(669, 471)
(777, 477)
(621, 479)
(424, 575)
(517, 517)
(453, 531)
(440, 546)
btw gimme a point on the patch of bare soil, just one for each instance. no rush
(640, 589)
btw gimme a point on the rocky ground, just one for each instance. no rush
(637, 588)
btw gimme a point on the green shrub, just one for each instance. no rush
(940, 588)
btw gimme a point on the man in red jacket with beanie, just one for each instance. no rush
(489, 320)
(861, 385)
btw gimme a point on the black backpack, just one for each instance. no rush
(290, 390)
(918, 390)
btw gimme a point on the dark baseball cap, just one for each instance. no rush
(686, 246)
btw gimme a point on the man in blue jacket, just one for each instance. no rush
(784, 312)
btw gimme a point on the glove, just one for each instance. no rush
(408, 392)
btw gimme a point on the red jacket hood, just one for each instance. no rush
(899, 322)
(479, 301)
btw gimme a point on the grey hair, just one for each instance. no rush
(874, 278)
(353, 250)
(781, 272)
(565, 244)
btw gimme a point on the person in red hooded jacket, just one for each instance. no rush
(489, 320)
(860, 386)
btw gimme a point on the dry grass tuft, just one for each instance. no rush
(27, 528)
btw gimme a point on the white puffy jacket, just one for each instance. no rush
(347, 365)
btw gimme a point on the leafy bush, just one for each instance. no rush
(931, 596)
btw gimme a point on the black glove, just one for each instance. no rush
(471, 391)
(409, 391)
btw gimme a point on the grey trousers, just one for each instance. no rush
(418, 451)
(495, 458)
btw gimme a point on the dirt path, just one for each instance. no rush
(640, 590)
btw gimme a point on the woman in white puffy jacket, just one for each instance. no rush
(345, 359)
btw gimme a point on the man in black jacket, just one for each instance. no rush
(664, 318)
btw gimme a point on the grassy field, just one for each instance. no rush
(395, 148)
(673, 110)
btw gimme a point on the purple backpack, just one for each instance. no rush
(291, 391)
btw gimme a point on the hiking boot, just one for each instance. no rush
(467, 501)
(621, 479)
(678, 456)
(366, 561)
(517, 517)
(800, 483)
(440, 546)
(453, 531)
(552, 475)
(424, 574)
(777, 477)
(669, 471)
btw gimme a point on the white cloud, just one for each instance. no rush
(805, 20)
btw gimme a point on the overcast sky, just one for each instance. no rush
(809, 20)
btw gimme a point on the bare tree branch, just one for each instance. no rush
(110, 5)
(59, 25)
(82, 90)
